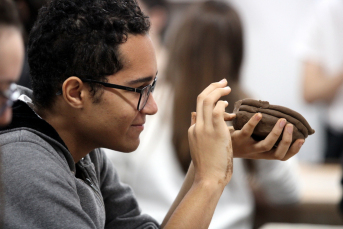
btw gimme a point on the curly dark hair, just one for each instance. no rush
(79, 38)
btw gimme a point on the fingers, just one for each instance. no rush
(289, 152)
(245, 147)
(284, 151)
(218, 113)
(210, 103)
(296, 146)
(285, 143)
(229, 117)
(204, 96)
(249, 127)
(268, 143)
(231, 129)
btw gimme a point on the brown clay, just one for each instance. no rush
(246, 108)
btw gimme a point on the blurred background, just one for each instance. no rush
(272, 70)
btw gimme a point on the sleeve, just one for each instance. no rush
(122, 210)
(39, 190)
(279, 180)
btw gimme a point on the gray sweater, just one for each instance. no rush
(44, 188)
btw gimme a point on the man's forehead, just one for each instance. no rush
(137, 56)
(135, 48)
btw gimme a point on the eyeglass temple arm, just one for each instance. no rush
(138, 90)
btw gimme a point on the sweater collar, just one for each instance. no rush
(25, 116)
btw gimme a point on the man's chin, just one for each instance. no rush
(128, 148)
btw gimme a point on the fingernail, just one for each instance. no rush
(258, 116)
(282, 123)
(222, 81)
(290, 129)
(193, 115)
(301, 143)
(227, 88)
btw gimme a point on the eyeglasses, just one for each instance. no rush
(11, 95)
(144, 92)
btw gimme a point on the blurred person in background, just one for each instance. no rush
(322, 56)
(321, 53)
(11, 60)
(206, 46)
(28, 12)
(158, 11)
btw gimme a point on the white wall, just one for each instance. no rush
(271, 70)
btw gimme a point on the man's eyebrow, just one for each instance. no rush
(141, 80)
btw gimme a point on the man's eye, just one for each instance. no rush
(143, 86)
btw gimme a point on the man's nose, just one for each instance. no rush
(151, 106)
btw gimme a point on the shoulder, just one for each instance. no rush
(26, 155)
(25, 142)
(25, 138)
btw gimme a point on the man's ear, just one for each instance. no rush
(74, 91)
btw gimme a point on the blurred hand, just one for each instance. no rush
(244, 146)
(209, 137)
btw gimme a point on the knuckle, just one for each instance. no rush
(266, 147)
(287, 141)
(244, 132)
(275, 134)
(214, 84)
(207, 101)
(215, 114)
(208, 132)
(278, 156)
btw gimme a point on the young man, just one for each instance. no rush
(93, 68)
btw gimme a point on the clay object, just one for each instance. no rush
(246, 108)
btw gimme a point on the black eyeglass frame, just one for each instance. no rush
(150, 87)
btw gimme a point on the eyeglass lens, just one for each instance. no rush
(144, 98)
(145, 95)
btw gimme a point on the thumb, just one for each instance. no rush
(229, 117)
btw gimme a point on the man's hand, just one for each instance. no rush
(244, 146)
(209, 138)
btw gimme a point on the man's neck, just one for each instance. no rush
(78, 146)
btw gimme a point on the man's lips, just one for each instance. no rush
(142, 124)
(138, 126)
